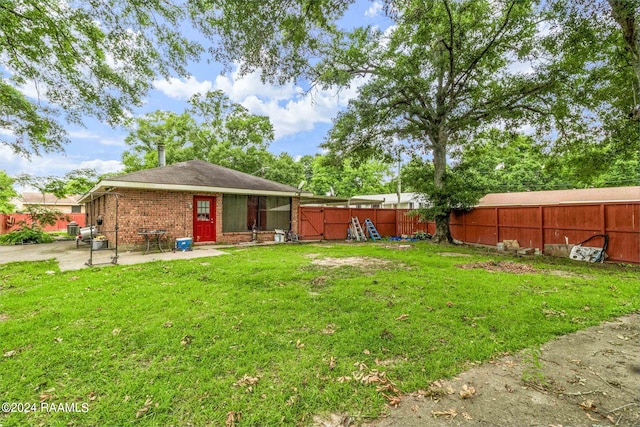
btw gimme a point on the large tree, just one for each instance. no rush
(212, 128)
(79, 58)
(597, 42)
(437, 79)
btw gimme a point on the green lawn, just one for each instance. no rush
(264, 336)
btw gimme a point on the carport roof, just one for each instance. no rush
(196, 175)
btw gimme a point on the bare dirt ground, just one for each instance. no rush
(588, 378)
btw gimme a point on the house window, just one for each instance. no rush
(241, 213)
(76, 209)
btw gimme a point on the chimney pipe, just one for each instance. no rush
(162, 159)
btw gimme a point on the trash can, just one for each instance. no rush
(73, 228)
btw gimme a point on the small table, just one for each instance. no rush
(152, 236)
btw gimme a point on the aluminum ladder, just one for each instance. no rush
(356, 230)
(371, 229)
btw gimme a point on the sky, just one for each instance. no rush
(300, 121)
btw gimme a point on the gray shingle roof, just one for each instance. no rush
(202, 174)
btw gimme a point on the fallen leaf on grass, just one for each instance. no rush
(291, 401)
(116, 331)
(361, 366)
(186, 340)
(167, 325)
(58, 339)
(332, 363)
(329, 330)
(45, 396)
(93, 396)
(299, 344)
(388, 387)
(394, 401)
(246, 380)
(467, 392)
(10, 353)
(402, 317)
(232, 417)
(451, 413)
(145, 408)
(343, 379)
(367, 352)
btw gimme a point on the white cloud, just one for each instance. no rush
(103, 166)
(110, 140)
(374, 10)
(288, 107)
(52, 164)
(182, 89)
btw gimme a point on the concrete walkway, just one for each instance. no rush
(71, 258)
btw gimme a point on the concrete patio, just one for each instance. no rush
(70, 257)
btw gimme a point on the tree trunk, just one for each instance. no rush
(443, 232)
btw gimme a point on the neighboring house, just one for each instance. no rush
(195, 199)
(386, 201)
(67, 205)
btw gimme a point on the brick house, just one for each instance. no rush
(196, 199)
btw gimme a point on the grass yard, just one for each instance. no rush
(275, 335)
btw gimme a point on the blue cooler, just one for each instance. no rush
(184, 243)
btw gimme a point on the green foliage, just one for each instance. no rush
(212, 129)
(346, 177)
(461, 189)
(26, 234)
(93, 58)
(532, 372)
(7, 192)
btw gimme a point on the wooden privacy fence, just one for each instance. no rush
(10, 222)
(535, 226)
(531, 226)
(330, 223)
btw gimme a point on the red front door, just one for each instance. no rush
(204, 219)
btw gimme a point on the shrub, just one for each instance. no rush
(26, 234)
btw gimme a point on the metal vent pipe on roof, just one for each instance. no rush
(162, 158)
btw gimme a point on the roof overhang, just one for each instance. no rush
(331, 200)
(109, 186)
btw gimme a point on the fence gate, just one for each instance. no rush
(311, 223)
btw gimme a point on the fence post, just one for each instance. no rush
(541, 212)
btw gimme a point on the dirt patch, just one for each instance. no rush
(587, 378)
(349, 261)
(4, 317)
(501, 266)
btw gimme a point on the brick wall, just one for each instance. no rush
(162, 210)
